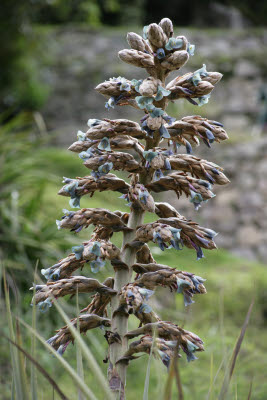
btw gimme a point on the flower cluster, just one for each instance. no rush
(148, 152)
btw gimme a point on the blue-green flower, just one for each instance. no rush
(75, 202)
(46, 272)
(196, 78)
(164, 133)
(67, 213)
(95, 249)
(158, 239)
(197, 280)
(110, 103)
(143, 101)
(61, 349)
(191, 49)
(210, 233)
(176, 241)
(93, 122)
(182, 285)
(167, 165)
(196, 199)
(203, 100)
(136, 84)
(168, 119)
(146, 293)
(58, 222)
(198, 74)
(150, 108)
(160, 54)
(191, 348)
(202, 71)
(102, 170)
(156, 112)
(105, 168)
(149, 155)
(96, 265)
(174, 44)
(81, 136)
(44, 305)
(158, 174)
(145, 31)
(78, 251)
(125, 86)
(145, 308)
(104, 144)
(162, 92)
(164, 358)
(85, 155)
(72, 185)
(143, 196)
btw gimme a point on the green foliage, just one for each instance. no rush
(21, 86)
(26, 234)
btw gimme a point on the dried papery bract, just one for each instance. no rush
(147, 152)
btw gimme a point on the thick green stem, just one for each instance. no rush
(122, 277)
(119, 322)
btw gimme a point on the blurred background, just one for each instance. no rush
(53, 54)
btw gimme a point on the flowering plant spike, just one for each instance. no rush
(154, 166)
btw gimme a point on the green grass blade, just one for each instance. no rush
(86, 390)
(211, 377)
(177, 377)
(17, 384)
(22, 365)
(41, 369)
(34, 392)
(230, 370)
(146, 388)
(78, 351)
(250, 389)
(87, 353)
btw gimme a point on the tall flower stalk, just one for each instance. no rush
(156, 166)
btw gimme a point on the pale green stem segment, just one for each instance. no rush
(119, 323)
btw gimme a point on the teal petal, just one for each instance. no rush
(181, 285)
(71, 187)
(157, 112)
(149, 155)
(203, 100)
(75, 202)
(58, 222)
(150, 107)
(96, 265)
(110, 103)
(93, 122)
(78, 251)
(162, 92)
(160, 54)
(145, 31)
(191, 49)
(146, 293)
(81, 136)
(44, 305)
(202, 71)
(136, 84)
(191, 346)
(95, 249)
(196, 78)
(143, 101)
(145, 308)
(105, 168)
(104, 144)
(174, 43)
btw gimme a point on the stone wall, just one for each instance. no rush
(80, 59)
